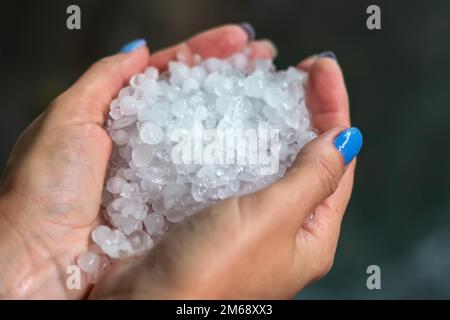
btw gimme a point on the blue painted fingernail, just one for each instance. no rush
(349, 142)
(328, 54)
(133, 45)
(249, 30)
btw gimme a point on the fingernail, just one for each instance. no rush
(327, 54)
(349, 142)
(133, 45)
(249, 30)
(273, 49)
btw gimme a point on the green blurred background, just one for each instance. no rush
(398, 82)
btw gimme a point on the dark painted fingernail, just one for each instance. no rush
(249, 30)
(133, 45)
(349, 142)
(328, 54)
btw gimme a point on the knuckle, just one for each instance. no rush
(107, 66)
(232, 40)
(93, 132)
(327, 172)
(104, 62)
(59, 101)
(251, 206)
(324, 265)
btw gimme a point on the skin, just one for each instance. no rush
(268, 244)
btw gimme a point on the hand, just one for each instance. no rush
(269, 244)
(51, 189)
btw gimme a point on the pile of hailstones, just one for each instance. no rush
(147, 191)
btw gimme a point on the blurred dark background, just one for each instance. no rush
(398, 80)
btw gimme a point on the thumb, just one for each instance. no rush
(313, 177)
(88, 99)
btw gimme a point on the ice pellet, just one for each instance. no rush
(89, 262)
(183, 139)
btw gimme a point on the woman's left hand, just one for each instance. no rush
(51, 190)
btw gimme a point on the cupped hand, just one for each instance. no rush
(268, 244)
(254, 246)
(50, 192)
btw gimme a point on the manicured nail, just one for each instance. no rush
(327, 54)
(349, 142)
(249, 30)
(133, 45)
(273, 49)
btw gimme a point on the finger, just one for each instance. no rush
(218, 42)
(262, 49)
(89, 98)
(314, 177)
(221, 42)
(326, 95)
(328, 102)
(305, 65)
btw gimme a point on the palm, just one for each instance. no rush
(68, 165)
